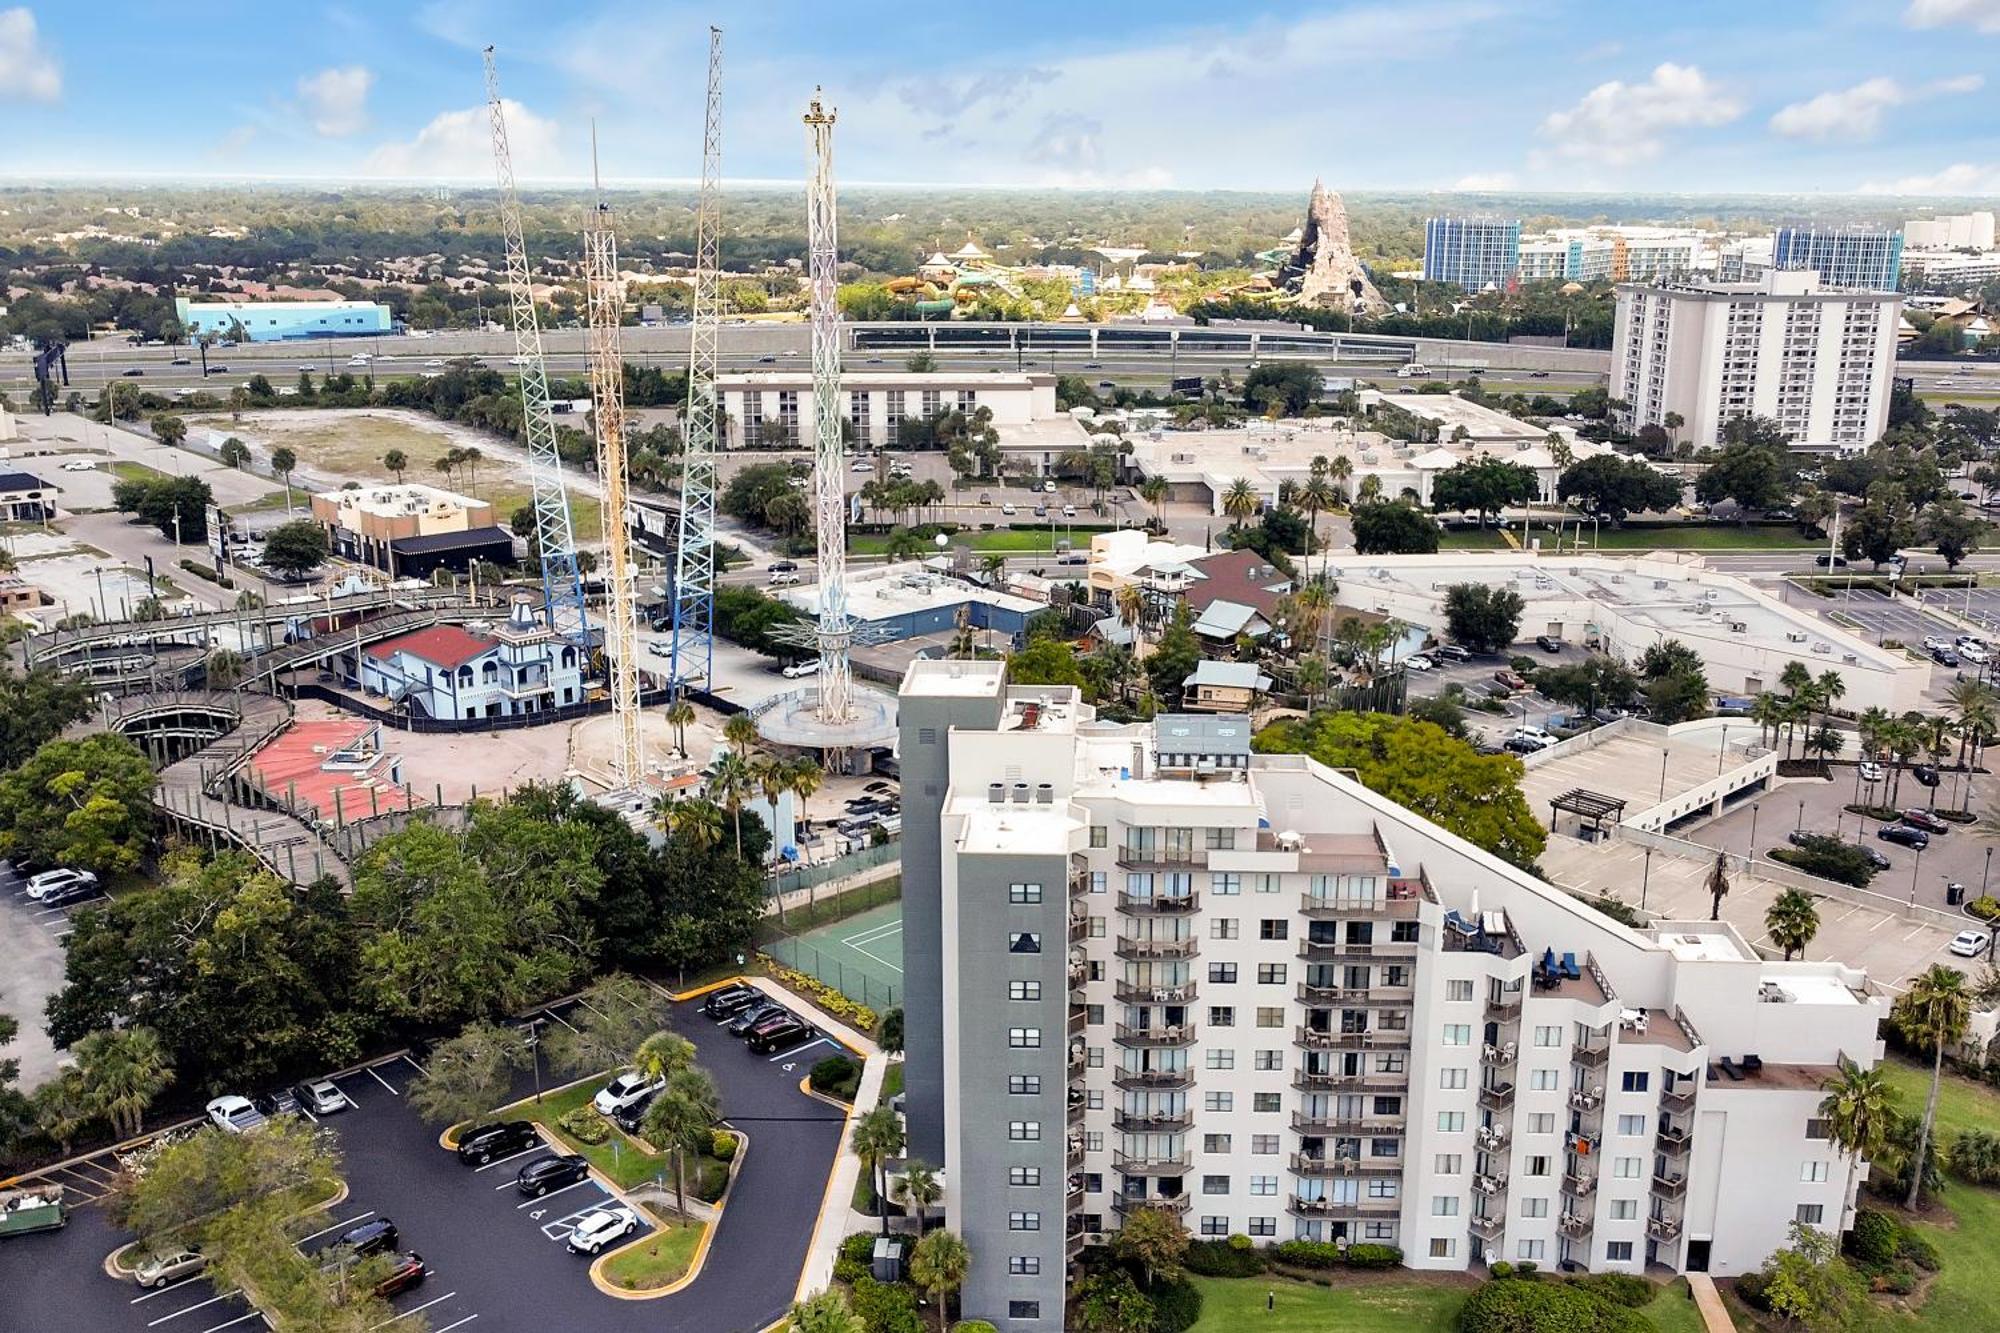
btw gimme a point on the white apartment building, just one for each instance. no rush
(766, 406)
(1616, 253)
(1953, 231)
(1162, 973)
(1818, 361)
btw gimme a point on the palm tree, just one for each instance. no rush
(1153, 490)
(1767, 710)
(1936, 1008)
(1317, 494)
(663, 1055)
(398, 462)
(471, 457)
(683, 1118)
(1904, 737)
(696, 819)
(878, 1136)
(939, 1265)
(121, 1071)
(920, 1190)
(283, 460)
(731, 786)
(1370, 489)
(773, 777)
(1792, 920)
(1311, 677)
(1241, 501)
(1131, 604)
(1340, 469)
(678, 714)
(1858, 1107)
(1718, 885)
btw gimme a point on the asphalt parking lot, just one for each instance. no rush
(1523, 706)
(494, 1260)
(1884, 617)
(31, 968)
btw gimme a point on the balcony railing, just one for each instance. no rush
(1488, 1228)
(1138, 858)
(1372, 1040)
(1152, 1122)
(1504, 1054)
(1329, 951)
(1592, 1057)
(1580, 1100)
(1370, 1126)
(1079, 929)
(1678, 1101)
(1370, 1081)
(1664, 1228)
(1581, 1186)
(1497, 1097)
(1143, 950)
(1672, 1139)
(1502, 1004)
(1144, 1080)
(1574, 1224)
(1339, 1164)
(1131, 992)
(1178, 1204)
(1326, 996)
(1395, 909)
(1490, 1185)
(1582, 1143)
(1180, 904)
(1301, 1206)
(1133, 1165)
(1670, 1187)
(1182, 1034)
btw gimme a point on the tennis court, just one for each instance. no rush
(861, 956)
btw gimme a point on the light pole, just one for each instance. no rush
(1987, 874)
(1665, 755)
(1646, 881)
(1753, 831)
(1915, 866)
(1800, 826)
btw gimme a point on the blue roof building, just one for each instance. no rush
(281, 321)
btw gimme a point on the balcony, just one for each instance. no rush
(1503, 1005)
(1373, 1126)
(1579, 1100)
(1079, 883)
(1177, 1204)
(1340, 1164)
(1664, 1228)
(1672, 1140)
(1078, 1060)
(1181, 904)
(1488, 1228)
(1152, 1080)
(1581, 1186)
(1150, 950)
(1670, 1187)
(1574, 1224)
(1079, 929)
(1592, 1057)
(1145, 858)
(1497, 1096)
(1312, 1081)
(1395, 909)
(1329, 951)
(1130, 992)
(1180, 1034)
(1326, 996)
(1583, 1144)
(1498, 1056)
(1131, 1165)
(1073, 1245)
(1315, 1040)
(1152, 1122)
(1682, 1102)
(1489, 1185)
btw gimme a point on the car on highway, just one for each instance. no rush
(1830, 561)
(1904, 836)
(180, 361)
(862, 465)
(1512, 679)
(800, 670)
(1538, 374)
(434, 363)
(601, 1228)
(502, 1139)
(558, 1171)
(783, 566)
(54, 881)
(307, 365)
(730, 999)
(779, 1034)
(1418, 662)
(1974, 652)
(405, 1271)
(784, 579)
(234, 1114)
(132, 372)
(1925, 820)
(321, 1097)
(216, 369)
(517, 360)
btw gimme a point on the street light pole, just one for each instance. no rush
(1647, 880)
(1915, 867)
(1800, 826)
(1753, 831)
(1665, 755)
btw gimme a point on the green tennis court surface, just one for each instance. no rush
(862, 956)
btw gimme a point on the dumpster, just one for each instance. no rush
(36, 1208)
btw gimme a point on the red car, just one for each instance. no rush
(1926, 821)
(407, 1271)
(1513, 680)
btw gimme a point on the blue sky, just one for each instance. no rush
(1681, 95)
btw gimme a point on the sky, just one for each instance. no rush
(1690, 96)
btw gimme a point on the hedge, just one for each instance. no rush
(1307, 1253)
(722, 1145)
(1509, 1305)
(1176, 1305)
(1373, 1256)
(1215, 1258)
(886, 1307)
(202, 571)
(836, 1076)
(585, 1125)
(857, 1252)
(1627, 1289)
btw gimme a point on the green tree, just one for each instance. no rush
(618, 1016)
(1048, 662)
(1792, 920)
(877, 1138)
(1953, 532)
(939, 1265)
(283, 460)
(1394, 528)
(1597, 680)
(296, 548)
(120, 1072)
(920, 363)
(1110, 1303)
(1613, 487)
(1155, 1240)
(1172, 660)
(1753, 475)
(1935, 1011)
(1484, 486)
(210, 1172)
(1858, 1107)
(396, 463)
(169, 429)
(828, 1312)
(1481, 618)
(177, 506)
(1240, 502)
(682, 1118)
(1809, 1283)
(1288, 386)
(16, 1115)
(34, 708)
(465, 1078)
(1879, 528)
(82, 803)
(677, 715)
(1676, 688)
(233, 453)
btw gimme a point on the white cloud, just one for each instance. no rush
(1856, 113)
(459, 145)
(1484, 182)
(336, 100)
(1981, 14)
(1961, 178)
(28, 73)
(1618, 123)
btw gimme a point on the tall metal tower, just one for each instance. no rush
(836, 630)
(693, 649)
(604, 298)
(561, 583)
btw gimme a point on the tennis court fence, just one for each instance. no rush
(851, 981)
(779, 940)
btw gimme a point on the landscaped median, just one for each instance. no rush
(619, 1157)
(669, 1259)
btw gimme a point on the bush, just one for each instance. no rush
(1750, 1289)
(1545, 1307)
(886, 1307)
(1176, 1305)
(1306, 1253)
(1373, 1256)
(1918, 1250)
(836, 1076)
(973, 1326)
(1214, 1258)
(1985, 907)
(826, 997)
(1874, 1238)
(1239, 1241)
(722, 1146)
(1501, 1270)
(856, 1253)
(585, 1125)
(1627, 1289)
(202, 571)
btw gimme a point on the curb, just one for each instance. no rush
(700, 1258)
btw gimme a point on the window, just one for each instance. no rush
(1444, 1205)
(1267, 1059)
(1219, 839)
(1272, 928)
(1270, 1016)
(1098, 881)
(1024, 1221)
(1537, 1164)
(1812, 1173)
(1218, 1101)
(1459, 991)
(1213, 1224)
(1810, 1213)
(1024, 1038)
(1100, 835)
(1626, 1168)
(1226, 884)
(1221, 974)
(1024, 990)
(1024, 1175)
(1024, 1131)
(1224, 928)
(1541, 1122)
(1541, 1080)
(1449, 1163)
(1263, 1226)
(1221, 1016)
(1618, 1251)
(1549, 1036)
(1379, 1188)
(1093, 1014)
(1215, 1184)
(1529, 1249)
(1386, 1149)
(1816, 1128)
(1094, 1100)
(1024, 1265)
(1093, 1141)
(1028, 941)
(1024, 1085)
(1215, 1143)
(1266, 1101)
(1264, 1186)
(1264, 1145)
(1631, 1124)
(1458, 1034)
(1624, 1210)
(1270, 974)
(1024, 1309)
(1634, 1080)
(1443, 1247)
(1535, 1207)
(1451, 1122)
(1024, 893)
(1221, 1059)
(1266, 883)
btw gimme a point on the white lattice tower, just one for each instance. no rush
(693, 648)
(836, 631)
(604, 300)
(561, 583)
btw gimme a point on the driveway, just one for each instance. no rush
(31, 970)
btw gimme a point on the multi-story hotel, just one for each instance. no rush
(1474, 253)
(1861, 258)
(1149, 970)
(1820, 362)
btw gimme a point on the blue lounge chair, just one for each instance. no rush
(1570, 969)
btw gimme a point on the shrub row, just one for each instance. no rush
(826, 997)
(836, 1076)
(202, 571)
(1321, 1254)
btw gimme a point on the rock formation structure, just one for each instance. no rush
(1323, 270)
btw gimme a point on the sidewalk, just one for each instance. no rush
(1714, 1314)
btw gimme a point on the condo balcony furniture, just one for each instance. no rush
(1574, 1224)
(1488, 1228)
(1581, 1186)
(1491, 1136)
(1587, 1101)
(1670, 1187)
(1503, 1054)
(1143, 950)
(1672, 1139)
(1178, 1204)
(1582, 1143)
(1333, 1126)
(1179, 904)
(1145, 992)
(1494, 1184)
(1151, 1122)
(1371, 1039)
(1154, 1080)
(1131, 1165)
(1664, 1228)
(1178, 1034)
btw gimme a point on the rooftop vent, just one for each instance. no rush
(996, 793)
(1020, 793)
(1045, 793)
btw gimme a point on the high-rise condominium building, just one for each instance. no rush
(1819, 362)
(1868, 259)
(1955, 231)
(1247, 991)
(1472, 252)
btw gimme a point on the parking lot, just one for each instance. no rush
(1881, 616)
(494, 1260)
(1524, 707)
(31, 968)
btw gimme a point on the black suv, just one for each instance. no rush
(550, 1173)
(730, 1000)
(1548, 643)
(632, 1117)
(275, 1104)
(371, 1237)
(487, 1142)
(741, 1025)
(779, 1033)
(1904, 834)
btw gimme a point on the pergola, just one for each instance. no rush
(1592, 808)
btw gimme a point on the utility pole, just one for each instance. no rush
(692, 654)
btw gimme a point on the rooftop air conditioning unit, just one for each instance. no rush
(1849, 658)
(1659, 585)
(1738, 627)
(1795, 637)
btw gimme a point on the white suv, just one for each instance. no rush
(626, 1090)
(54, 882)
(1535, 734)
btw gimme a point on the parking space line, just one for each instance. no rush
(586, 1004)
(552, 1193)
(413, 1309)
(383, 1081)
(798, 1050)
(190, 1309)
(358, 1217)
(449, 1327)
(413, 1064)
(502, 1161)
(216, 1328)
(549, 1013)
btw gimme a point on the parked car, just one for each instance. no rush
(778, 1034)
(235, 1114)
(986, 497)
(1541, 737)
(1048, 488)
(1010, 509)
(622, 1091)
(784, 579)
(1512, 679)
(1945, 657)
(1969, 943)
(1873, 857)
(601, 1228)
(51, 881)
(1903, 835)
(1933, 643)
(741, 1025)
(1604, 717)
(800, 670)
(79, 465)
(633, 1116)
(1925, 820)
(271, 1105)
(1870, 771)
(1418, 662)
(1522, 745)
(1449, 652)
(171, 1265)
(730, 999)
(1974, 652)
(503, 1139)
(1926, 774)
(1548, 643)
(1069, 511)
(405, 1271)
(75, 891)
(550, 1173)
(371, 1237)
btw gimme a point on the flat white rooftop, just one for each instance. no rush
(1702, 942)
(1014, 830)
(955, 679)
(905, 592)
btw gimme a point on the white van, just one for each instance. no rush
(1412, 370)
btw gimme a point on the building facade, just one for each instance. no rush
(1953, 231)
(764, 406)
(1866, 259)
(279, 321)
(26, 498)
(1251, 993)
(1819, 362)
(1472, 253)
(411, 529)
(455, 675)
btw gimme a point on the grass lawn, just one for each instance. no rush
(1471, 539)
(892, 1081)
(1000, 539)
(1414, 1305)
(625, 1162)
(1674, 1311)
(124, 469)
(662, 1259)
(1660, 537)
